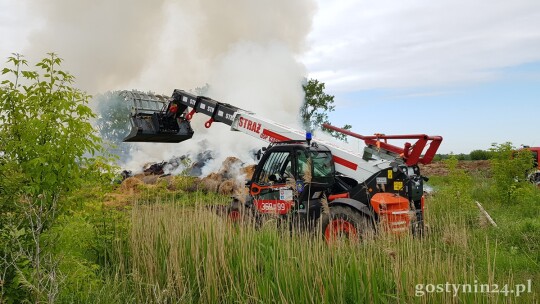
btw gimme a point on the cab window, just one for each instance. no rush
(302, 168)
(322, 164)
(323, 167)
(319, 164)
(278, 165)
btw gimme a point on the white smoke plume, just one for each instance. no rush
(104, 43)
(246, 50)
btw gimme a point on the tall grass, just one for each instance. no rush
(189, 254)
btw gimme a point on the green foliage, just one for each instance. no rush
(113, 124)
(316, 106)
(510, 170)
(46, 135)
(47, 146)
(474, 155)
(186, 254)
(517, 235)
(480, 155)
(437, 157)
(82, 243)
(457, 192)
(461, 156)
(175, 249)
(460, 183)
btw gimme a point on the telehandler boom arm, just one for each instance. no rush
(168, 120)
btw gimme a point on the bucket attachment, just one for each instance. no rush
(158, 127)
(151, 122)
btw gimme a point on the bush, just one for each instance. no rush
(510, 170)
(47, 145)
(480, 155)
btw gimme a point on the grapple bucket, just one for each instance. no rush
(150, 123)
(152, 128)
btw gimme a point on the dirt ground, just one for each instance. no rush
(439, 168)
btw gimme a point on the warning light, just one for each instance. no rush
(308, 138)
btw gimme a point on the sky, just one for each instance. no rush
(465, 70)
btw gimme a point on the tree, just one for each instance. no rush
(47, 145)
(480, 155)
(113, 124)
(316, 106)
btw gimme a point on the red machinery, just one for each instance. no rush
(411, 153)
(534, 177)
(297, 175)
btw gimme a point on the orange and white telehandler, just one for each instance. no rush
(312, 181)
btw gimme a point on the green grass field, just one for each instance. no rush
(165, 246)
(173, 249)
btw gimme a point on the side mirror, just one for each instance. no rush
(260, 152)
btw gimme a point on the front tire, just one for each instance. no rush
(535, 178)
(345, 223)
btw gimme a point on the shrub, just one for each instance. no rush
(46, 144)
(510, 170)
(480, 155)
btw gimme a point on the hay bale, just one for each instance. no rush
(150, 179)
(131, 183)
(230, 167)
(248, 171)
(169, 182)
(227, 187)
(214, 176)
(193, 186)
(140, 175)
(241, 194)
(209, 185)
(211, 182)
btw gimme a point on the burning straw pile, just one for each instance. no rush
(228, 180)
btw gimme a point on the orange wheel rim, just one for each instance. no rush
(234, 215)
(339, 227)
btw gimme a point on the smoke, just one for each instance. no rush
(104, 43)
(259, 22)
(261, 78)
(245, 50)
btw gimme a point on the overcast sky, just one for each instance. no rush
(466, 70)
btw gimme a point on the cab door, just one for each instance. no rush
(271, 187)
(315, 176)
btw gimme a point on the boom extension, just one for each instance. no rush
(411, 153)
(156, 118)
